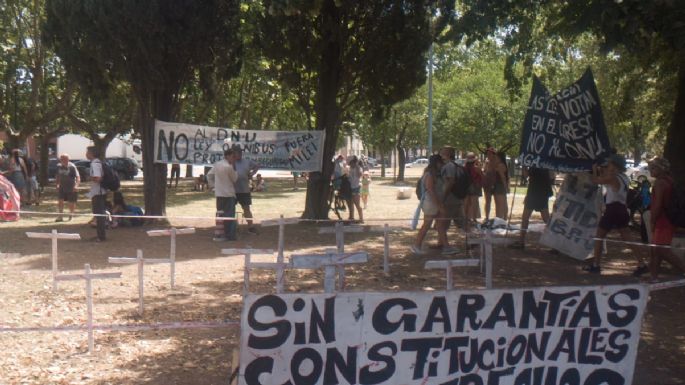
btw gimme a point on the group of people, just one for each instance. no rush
(450, 193)
(22, 172)
(611, 175)
(352, 180)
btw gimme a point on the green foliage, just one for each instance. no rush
(473, 105)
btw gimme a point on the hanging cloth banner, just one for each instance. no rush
(565, 131)
(204, 145)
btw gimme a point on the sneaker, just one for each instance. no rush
(417, 250)
(219, 239)
(69, 219)
(59, 219)
(640, 270)
(252, 231)
(449, 250)
(592, 268)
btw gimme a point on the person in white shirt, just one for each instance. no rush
(97, 193)
(222, 178)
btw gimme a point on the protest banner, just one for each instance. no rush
(204, 145)
(564, 131)
(546, 335)
(576, 214)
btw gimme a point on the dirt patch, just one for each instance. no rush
(209, 287)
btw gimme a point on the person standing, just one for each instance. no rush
(17, 173)
(223, 177)
(662, 228)
(354, 173)
(454, 207)
(615, 216)
(366, 182)
(175, 173)
(67, 181)
(537, 199)
(475, 191)
(245, 169)
(97, 193)
(500, 185)
(432, 203)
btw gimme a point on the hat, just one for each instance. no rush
(470, 157)
(661, 163)
(616, 160)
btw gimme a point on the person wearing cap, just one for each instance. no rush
(537, 199)
(662, 228)
(615, 217)
(471, 209)
(222, 178)
(245, 169)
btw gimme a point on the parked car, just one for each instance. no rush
(372, 162)
(83, 167)
(52, 167)
(421, 162)
(126, 168)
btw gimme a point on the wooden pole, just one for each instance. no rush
(172, 257)
(386, 249)
(54, 259)
(89, 312)
(141, 281)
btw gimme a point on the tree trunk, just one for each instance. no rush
(153, 105)
(43, 169)
(189, 171)
(675, 138)
(638, 140)
(327, 111)
(382, 164)
(400, 163)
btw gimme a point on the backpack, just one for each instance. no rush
(110, 179)
(675, 209)
(462, 182)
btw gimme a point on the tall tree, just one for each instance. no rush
(530, 27)
(344, 53)
(158, 47)
(34, 92)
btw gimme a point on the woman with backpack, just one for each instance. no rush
(615, 217)
(431, 203)
(662, 228)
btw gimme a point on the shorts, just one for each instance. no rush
(499, 189)
(455, 211)
(475, 190)
(356, 190)
(663, 231)
(536, 202)
(429, 208)
(244, 199)
(615, 217)
(68, 196)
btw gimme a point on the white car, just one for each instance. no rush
(639, 172)
(421, 162)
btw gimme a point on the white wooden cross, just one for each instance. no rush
(386, 229)
(278, 267)
(339, 230)
(448, 265)
(88, 276)
(172, 233)
(280, 222)
(486, 253)
(141, 263)
(330, 261)
(54, 236)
